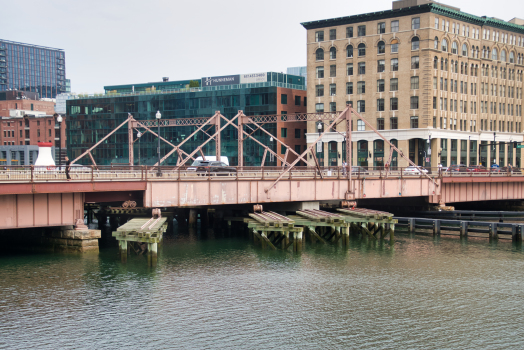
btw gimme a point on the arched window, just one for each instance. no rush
(503, 55)
(466, 68)
(472, 70)
(456, 66)
(511, 57)
(381, 47)
(435, 62)
(349, 51)
(394, 45)
(444, 45)
(461, 67)
(476, 70)
(464, 50)
(494, 54)
(332, 53)
(435, 44)
(477, 53)
(454, 48)
(361, 49)
(441, 64)
(483, 51)
(320, 54)
(415, 43)
(446, 64)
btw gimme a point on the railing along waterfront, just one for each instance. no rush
(188, 173)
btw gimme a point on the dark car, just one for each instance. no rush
(211, 167)
(458, 168)
(477, 169)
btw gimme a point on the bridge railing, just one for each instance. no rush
(188, 173)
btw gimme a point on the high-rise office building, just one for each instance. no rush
(439, 83)
(32, 68)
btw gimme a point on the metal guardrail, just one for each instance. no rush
(148, 173)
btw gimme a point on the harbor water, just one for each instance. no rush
(222, 292)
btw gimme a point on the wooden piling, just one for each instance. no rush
(463, 229)
(436, 228)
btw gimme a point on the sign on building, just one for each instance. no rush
(223, 80)
(253, 78)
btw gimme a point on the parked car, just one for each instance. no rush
(412, 170)
(458, 168)
(477, 169)
(210, 167)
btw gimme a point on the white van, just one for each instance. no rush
(223, 159)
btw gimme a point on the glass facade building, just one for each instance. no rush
(90, 118)
(32, 68)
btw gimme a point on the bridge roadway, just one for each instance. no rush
(38, 197)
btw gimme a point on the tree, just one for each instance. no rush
(194, 83)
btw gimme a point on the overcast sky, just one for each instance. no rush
(109, 42)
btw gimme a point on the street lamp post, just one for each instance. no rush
(59, 121)
(429, 151)
(158, 116)
(139, 135)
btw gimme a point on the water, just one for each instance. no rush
(224, 293)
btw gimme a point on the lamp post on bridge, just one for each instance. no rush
(59, 121)
(139, 135)
(158, 116)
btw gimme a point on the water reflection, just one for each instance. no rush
(213, 289)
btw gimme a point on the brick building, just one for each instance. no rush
(428, 76)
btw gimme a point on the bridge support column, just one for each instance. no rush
(152, 254)
(123, 250)
(345, 235)
(297, 241)
(493, 232)
(192, 217)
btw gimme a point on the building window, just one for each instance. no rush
(414, 122)
(414, 62)
(319, 107)
(361, 31)
(394, 26)
(332, 89)
(349, 88)
(494, 54)
(381, 47)
(297, 100)
(283, 99)
(361, 106)
(380, 105)
(380, 123)
(381, 28)
(320, 54)
(380, 85)
(393, 123)
(361, 126)
(333, 71)
(361, 49)
(319, 36)
(361, 87)
(415, 43)
(415, 23)
(362, 68)
(393, 104)
(394, 46)
(464, 50)
(454, 48)
(349, 51)
(320, 90)
(283, 132)
(297, 134)
(349, 68)
(320, 72)
(436, 22)
(381, 66)
(444, 45)
(414, 102)
(282, 149)
(332, 106)
(435, 43)
(349, 32)
(393, 84)
(414, 83)
(332, 53)
(332, 34)
(394, 64)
